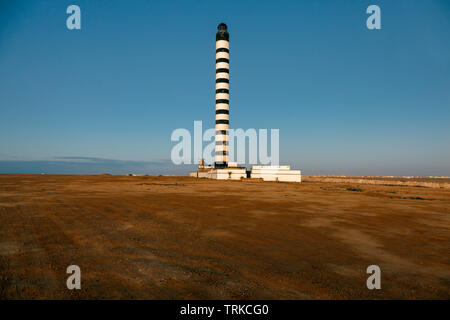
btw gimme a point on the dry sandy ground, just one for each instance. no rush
(184, 238)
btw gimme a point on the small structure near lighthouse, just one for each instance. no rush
(276, 173)
(223, 169)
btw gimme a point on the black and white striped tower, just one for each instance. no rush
(222, 96)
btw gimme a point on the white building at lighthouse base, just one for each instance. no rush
(228, 174)
(276, 173)
(233, 172)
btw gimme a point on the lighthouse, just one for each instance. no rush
(222, 96)
(225, 168)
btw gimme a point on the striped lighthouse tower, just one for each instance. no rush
(222, 96)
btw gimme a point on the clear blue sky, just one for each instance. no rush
(347, 100)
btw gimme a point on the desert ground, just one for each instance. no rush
(185, 238)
